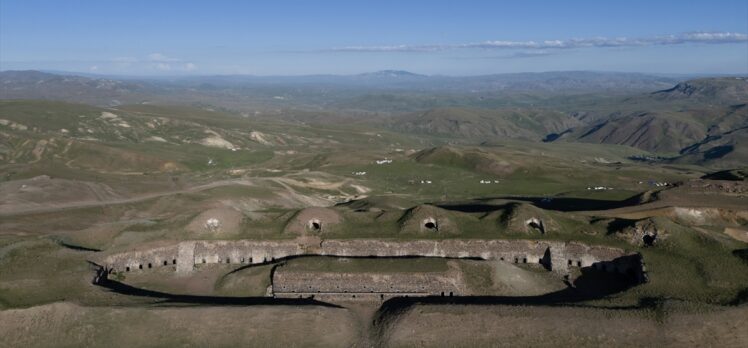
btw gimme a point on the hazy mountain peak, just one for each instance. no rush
(717, 90)
(392, 73)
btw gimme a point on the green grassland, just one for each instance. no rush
(165, 187)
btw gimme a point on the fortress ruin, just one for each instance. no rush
(556, 256)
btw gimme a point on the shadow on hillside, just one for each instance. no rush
(475, 207)
(741, 254)
(620, 224)
(591, 285)
(569, 204)
(741, 298)
(563, 204)
(166, 298)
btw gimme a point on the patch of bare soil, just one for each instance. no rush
(511, 280)
(43, 191)
(739, 234)
(69, 325)
(164, 279)
(483, 326)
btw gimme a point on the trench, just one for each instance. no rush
(167, 298)
(74, 246)
(590, 285)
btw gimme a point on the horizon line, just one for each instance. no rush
(103, 75)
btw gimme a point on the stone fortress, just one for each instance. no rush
(185, 258)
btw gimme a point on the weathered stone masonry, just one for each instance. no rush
(558, 256)
(375, 286)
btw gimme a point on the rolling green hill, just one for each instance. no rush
(484, 124)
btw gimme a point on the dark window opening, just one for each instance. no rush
(314, 225)
(538, 225)
(430, 225)
(579, 263)
(150, 265)
(174, 261)
(524, 260)
(250, 260)
(569, 263)
(203, 260)
(228, 260)
(516, 260)
(127, 269)
(648, 240)
(450, 294)
(165, 263)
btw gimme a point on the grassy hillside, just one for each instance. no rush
(486, 124)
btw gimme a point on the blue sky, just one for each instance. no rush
(346, 37)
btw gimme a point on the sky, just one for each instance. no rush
(282, 37)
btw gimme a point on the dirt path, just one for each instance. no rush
(288, 184)
(5, 212)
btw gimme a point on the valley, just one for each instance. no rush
(614, 202)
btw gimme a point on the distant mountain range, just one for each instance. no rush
(31, 84)
(698, 121)
(388, 91)
(40, 85)
(691, 119)
(701, 120)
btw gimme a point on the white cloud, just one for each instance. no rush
(162, 66)
(153, 61)
(94, 68)
(526, 54)
(158, 57)
(679, 39)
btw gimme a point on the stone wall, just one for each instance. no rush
(558, 256)
(364, 286)
(143, 259)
